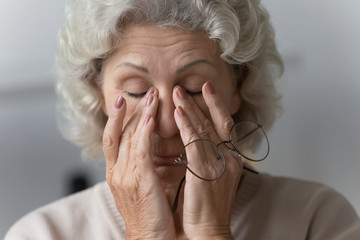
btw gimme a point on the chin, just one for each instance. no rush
(171, 174)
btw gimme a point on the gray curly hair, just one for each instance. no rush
(93, 29)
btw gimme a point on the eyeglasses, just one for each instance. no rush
(247, 139)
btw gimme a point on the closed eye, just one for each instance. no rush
(136, 95)
(140, 95)
(194, 93)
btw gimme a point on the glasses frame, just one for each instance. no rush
(233, 150)
(180, 159)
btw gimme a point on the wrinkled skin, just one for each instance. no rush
(190, 94)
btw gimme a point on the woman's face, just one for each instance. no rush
(149, 56)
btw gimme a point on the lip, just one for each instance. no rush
(164, 159)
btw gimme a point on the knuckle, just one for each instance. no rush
(189, 132)
(187, 127)
(208, 126)
(205, 128)
(140, 154)
(192, 138)
(113, 180)
(117, 181)
(115, 117)
(134, 141)
(127, 134)
(228, 123)
(107, 142)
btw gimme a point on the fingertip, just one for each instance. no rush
(179, 94)
(119, 102)
(118, 108)
(209, 94)
(209, 88)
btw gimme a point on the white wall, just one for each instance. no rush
(36, 162)
(318, 137)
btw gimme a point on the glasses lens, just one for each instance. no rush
(250, 141)
(204, 159)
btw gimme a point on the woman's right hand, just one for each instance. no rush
(130, 172)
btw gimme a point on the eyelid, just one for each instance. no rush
(140, 95)
(193, 93)
(136, 95)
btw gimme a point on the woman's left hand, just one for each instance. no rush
(207, 204)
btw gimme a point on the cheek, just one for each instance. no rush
(109, 98)
(227, 102)
(230, 97)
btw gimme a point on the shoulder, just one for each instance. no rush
(314, 209)
(297, 190)
(306, 193)
(285, 190)
(328, 213)
(72, 217)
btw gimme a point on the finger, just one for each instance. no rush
(133, 121)
(142, 137)
(189, 136)
(112, 132)
(201, 124)
(221, 117)
(143, 148)
(223, 124)
(187, 132)
(127, 139)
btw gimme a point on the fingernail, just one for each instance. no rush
(150, 91)
(181, 92)
(150, 100)
(180, 111)
(210, 88)
(119, 102)
(147, 119)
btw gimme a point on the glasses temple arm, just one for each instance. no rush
(175, 204)
(248, 134)
(176, 201)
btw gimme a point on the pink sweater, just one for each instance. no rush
(266, 207)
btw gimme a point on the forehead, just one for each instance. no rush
(170, 43)
(161, 36)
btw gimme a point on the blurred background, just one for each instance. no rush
(317, 138)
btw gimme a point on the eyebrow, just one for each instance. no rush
(180, 70)
(190, 65)
(134, 66)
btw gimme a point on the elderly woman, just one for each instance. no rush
(177, 96)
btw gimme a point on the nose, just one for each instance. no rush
(165, 125)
